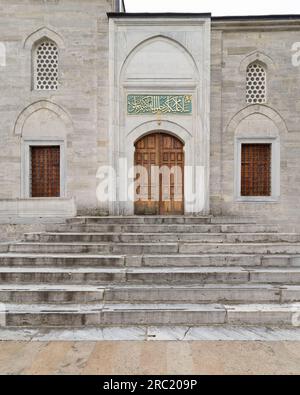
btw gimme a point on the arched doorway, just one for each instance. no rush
(159, 164)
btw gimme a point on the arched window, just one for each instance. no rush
(45, 62)
(256, 84)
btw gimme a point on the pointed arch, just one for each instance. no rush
(257, 84)
(267, 111)
(170, 127)
(43, 33)
(44, 45)
(153, 39)
(40, 105)
(259, 57)
(257, 124)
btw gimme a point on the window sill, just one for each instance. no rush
(261, 199)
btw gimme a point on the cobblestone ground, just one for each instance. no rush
(149, 357)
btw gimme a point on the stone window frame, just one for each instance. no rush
(25, 166)
(269, 66)
(29, 45)
(275, 169)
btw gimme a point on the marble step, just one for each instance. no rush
(58, 237)
(104, 314)
(150, 276)
(222, 260)
(282, 248)
(135, 220)
(186, 248)
(100, 248)
(168, 220)
(75, 255)
(211, 293)
(61, 260)
(158, 228)
(51, 293)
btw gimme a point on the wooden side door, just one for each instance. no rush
(159, 194)
(256, 170)
(45, 171)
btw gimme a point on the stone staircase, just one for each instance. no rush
(139, 271)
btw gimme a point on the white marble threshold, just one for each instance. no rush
(179, 333)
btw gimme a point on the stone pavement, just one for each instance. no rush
(125, 357)
(152, 350)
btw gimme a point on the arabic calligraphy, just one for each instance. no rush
(159, 104)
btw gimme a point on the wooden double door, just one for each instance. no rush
(159, 164)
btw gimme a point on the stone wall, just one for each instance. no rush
(12, 229)
(80, 117)
(235, 44)
(77, 113)
(13, 232)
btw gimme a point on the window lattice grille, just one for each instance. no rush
(46, 63)
(256, 84)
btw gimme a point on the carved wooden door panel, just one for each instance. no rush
(146, 156)
(171, 185)
(256, 170)
(160, 175)
(45, 171)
